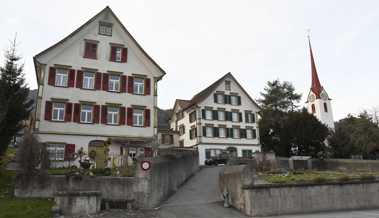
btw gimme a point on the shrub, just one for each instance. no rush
(344, 178)
(319, 179)
(367, 177)
(101, 171)
(32, 158)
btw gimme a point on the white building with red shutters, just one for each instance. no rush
(96, 85)
(319, 103)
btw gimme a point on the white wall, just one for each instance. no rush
(324, 117)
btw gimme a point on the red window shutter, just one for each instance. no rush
(122, 115)
(105, 82)
(96, 111)
(68, 112)
(51, 76)
(124, 55)
(104, 114)
(69, 151)
(123, 83)
(147, 86)
(48, 108)
(77, 112)
(79, 79)
(129, 114)
(71, 78)
(130, 84)
(98, 81)
(113, 54)
(147, 117)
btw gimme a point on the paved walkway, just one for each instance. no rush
(198, 198)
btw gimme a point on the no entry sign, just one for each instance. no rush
(145, 165)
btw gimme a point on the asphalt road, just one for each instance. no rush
(200, 198)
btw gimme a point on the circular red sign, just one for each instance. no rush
(145, 165)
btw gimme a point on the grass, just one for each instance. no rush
(11, 207)
(316, 177)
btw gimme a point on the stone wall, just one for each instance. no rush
(268, 200)
(147, 189)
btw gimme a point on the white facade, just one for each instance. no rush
(321, 108)
(206, 144)
(68, 54)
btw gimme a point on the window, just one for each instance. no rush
(105, 29)
(236, 133)
(209, 131)
(235, 116)
(88, 80)
(212, 153)
(247, 153)
(227, 85)
(208, 115)
(192, 116)
(55, 151)
(250, 117)
(325, 107)
(90, 50)
(193, 133)
(61, 77)
(138, 117)
(118, 54)
(234, 100)
(58, 111)
(182, 130)
(181, 143)
(222, 132)
(113, 115)
(221, 115)
(220, 98)
(139, 86)
(313, 109)
(167, 139)
(114, 83)
(249, 133)
(86, 113)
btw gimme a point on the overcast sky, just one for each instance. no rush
(198, 41)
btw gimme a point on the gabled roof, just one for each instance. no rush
(199, 97)
(106, 9)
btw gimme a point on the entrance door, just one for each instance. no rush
(101, 153)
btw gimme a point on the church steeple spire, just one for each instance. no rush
(316, 85)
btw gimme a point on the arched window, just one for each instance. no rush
(325, 107)
(313, 109)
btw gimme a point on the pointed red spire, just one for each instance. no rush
(316, 85)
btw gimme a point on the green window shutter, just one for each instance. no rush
(243, 133)
(252, 117)
(239, 100)
(254, 133)
(215, 132)
(240, 116)
(203, 113)
(215, 98)
(204, 131)
(215, 115)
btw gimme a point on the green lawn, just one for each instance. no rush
(11, 207)
(316, 176)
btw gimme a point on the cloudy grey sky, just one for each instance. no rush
(198, 41)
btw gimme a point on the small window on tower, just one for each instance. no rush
(313, 109)
(325, 107)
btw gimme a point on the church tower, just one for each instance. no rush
(319, 103)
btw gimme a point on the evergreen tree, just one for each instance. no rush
(279, 96)
(14, 106)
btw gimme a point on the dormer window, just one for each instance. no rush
(105, 28)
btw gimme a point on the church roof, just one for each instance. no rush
(316, 85)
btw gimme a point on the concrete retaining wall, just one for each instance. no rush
(275, 199)
(147, 189)
(268, 200)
